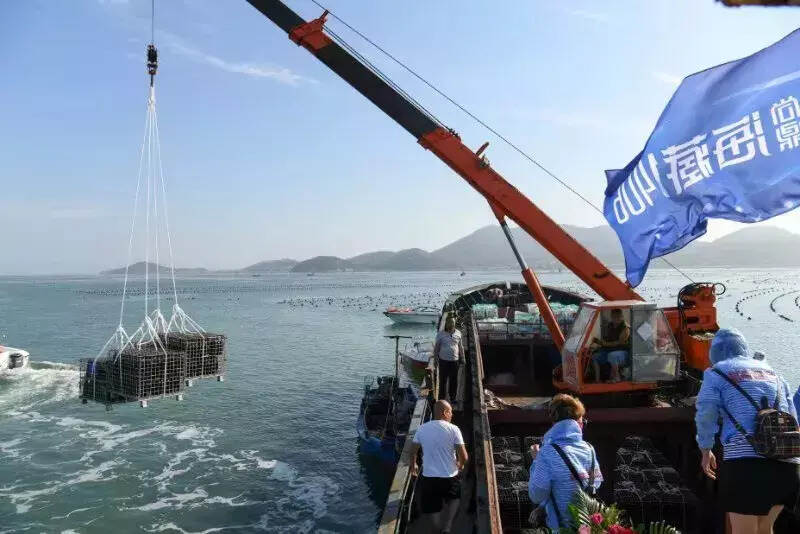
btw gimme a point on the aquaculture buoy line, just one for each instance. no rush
(161, 357)
(772, 304)
(760, 292)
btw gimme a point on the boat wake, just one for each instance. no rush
(38, 384)
(176, 468)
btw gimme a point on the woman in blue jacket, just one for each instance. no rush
(551, 481)
(753, 489)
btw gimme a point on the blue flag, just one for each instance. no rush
(726, 146)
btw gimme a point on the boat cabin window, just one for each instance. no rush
(569, 360)
(578, 328)
(655, 352)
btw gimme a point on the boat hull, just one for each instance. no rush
(412, 317)
(413, 362)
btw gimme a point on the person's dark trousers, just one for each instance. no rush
(448, 380)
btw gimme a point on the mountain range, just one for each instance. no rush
(487, 248)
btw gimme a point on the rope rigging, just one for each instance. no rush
(157, 358)
(452, 101)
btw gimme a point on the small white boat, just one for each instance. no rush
(411, 315)
(11, 358)
(417, 353)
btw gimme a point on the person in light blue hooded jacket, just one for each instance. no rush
(551, 483)
(752, 489)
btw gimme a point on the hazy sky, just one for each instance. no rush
(269, 155)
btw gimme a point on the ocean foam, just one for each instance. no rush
(173, 527)
(169, 472)
(177, 501)
(8, 450)
(77, 510)
(31, 387)
(199, 436)
(23, 499)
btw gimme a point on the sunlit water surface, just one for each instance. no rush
(273, 447)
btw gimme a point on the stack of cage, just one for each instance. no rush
(146, 370)
(649, 489)
(206, 353)
(512, 483)
(138, 372)
(95, 381)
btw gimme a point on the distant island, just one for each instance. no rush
(139, 268)
(487, 249)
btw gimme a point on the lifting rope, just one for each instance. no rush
(151, 332)
(441, 93)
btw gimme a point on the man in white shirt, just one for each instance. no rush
(443, 458)
(449, 353)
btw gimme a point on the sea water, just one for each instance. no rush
(272, 448)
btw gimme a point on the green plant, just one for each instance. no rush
(657, 528)
(591, 516)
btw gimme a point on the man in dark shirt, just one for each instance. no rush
(613, 347)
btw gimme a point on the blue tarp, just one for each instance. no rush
(726, 146)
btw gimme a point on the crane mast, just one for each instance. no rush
(505, 200)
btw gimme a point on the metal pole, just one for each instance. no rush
(397, 359)
(533, 283)
(397, 354)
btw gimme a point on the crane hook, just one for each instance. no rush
(152, 61)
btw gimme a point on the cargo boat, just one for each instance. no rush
(642, 422)
(658, 425)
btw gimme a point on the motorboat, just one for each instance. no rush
(417, 353)
(11, 358)
(384, 417)
(412, 315)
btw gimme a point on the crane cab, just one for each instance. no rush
(648, 355)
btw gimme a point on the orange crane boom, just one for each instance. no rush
(505, 200)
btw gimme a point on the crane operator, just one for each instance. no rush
(613, 347)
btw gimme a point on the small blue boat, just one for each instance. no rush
(384, 417)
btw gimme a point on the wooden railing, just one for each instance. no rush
(401, 492)
(396, 513)
(487, 507)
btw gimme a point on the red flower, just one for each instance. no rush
(619, 529)
(597, 519)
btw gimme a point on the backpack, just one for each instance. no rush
(777, 435)
(538, 516)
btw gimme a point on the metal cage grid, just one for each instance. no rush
(206, 353)
(649, 489)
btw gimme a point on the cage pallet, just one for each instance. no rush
(642, 458)
(515, 506)
(677, 505)
(637, 443)
(205, 352)
(507, 474)
(505, 443)
(146, 371)
(95, 381)
(507, 457)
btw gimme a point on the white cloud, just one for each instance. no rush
(590, 15)
(667, 78)
(276, 73)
